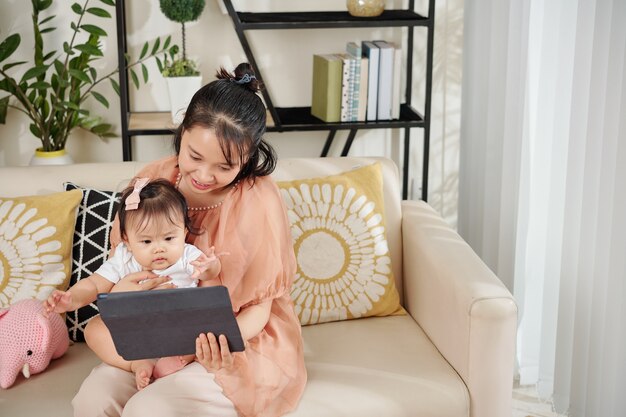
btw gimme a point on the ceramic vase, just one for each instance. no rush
(365, 8)
(42, 157)
(181, 90)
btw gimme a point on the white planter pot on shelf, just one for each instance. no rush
(51, 158)
(181, 90)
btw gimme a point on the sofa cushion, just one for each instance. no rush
(35, 245)
(338, 228)
(379, 366)
(90, 247)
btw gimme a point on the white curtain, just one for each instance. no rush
(542, 195)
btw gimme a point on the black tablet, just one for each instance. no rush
(158, 323)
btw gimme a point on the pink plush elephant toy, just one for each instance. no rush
(28, 340)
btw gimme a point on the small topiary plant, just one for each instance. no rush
(180, 11)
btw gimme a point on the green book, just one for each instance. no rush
(326, 97)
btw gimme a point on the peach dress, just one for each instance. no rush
(252, 226)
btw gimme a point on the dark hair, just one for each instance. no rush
(158, 197)
(231, 107)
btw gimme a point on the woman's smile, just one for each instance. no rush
(201, 186)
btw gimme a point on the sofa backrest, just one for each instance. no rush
(114, 176)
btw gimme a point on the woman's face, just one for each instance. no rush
(202, 164)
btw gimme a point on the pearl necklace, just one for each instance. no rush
(205, 208)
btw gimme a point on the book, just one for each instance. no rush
(326, 94)
(347, 86)
(396, 90)
(354, 51)
(372, 53)
(385, 79)
(361, 113)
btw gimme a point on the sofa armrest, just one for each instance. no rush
(465, 310)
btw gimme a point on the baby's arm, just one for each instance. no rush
(79, 295)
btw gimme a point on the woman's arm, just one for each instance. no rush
(252, 319)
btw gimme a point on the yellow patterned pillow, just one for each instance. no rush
(36, 244)
(338, 229)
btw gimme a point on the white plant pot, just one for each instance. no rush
(51, 158)
(181, 90)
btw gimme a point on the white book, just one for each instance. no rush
(372, 52)
(345, 88)
(385, 79)
(361, 113)
(354, 50)
(396, 95)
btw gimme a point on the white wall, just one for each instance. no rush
(285, 57)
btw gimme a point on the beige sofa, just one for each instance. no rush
(451, 356)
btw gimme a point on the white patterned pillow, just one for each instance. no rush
(35, 245)
(344, 265)
(90, 248)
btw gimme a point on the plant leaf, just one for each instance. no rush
(144, 51)
(49, 55)
(47, 19)
(144, 72)
(159, 64)
(101, 128)
(93, 29)
(40, 85)
(167, 41)
(7, 86)
(58, 66)
(70, 105)
(67, 49)
(134, 77)
(97, 11)
(9, 45)
(109, 2)
(34, 72)
(34, 130)
(46, 30)
(76, 8)
(80, 75)
(94, 73)
(115, 86)
(155, 48)
(4, 106)
(89, 49)
(12, 64)
(101, 99)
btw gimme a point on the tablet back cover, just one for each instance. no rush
(157, 323)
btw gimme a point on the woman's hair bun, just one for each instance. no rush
(243, 75)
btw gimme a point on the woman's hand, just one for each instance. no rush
(211, 355)
(143, 280)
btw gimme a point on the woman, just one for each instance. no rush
(222, 166)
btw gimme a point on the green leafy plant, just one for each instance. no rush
(180, 11)
(53, 91)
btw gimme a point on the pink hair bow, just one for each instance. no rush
(132, 201)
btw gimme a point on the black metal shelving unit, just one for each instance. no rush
(289, 119)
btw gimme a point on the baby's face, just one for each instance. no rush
(157, 244)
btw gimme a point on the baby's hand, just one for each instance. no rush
(204, 263)
(57, 302)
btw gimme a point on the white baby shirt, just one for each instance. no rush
(123, 263)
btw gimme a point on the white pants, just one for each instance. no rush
(111, 392)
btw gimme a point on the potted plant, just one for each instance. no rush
(53, 91)
(181, 73)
